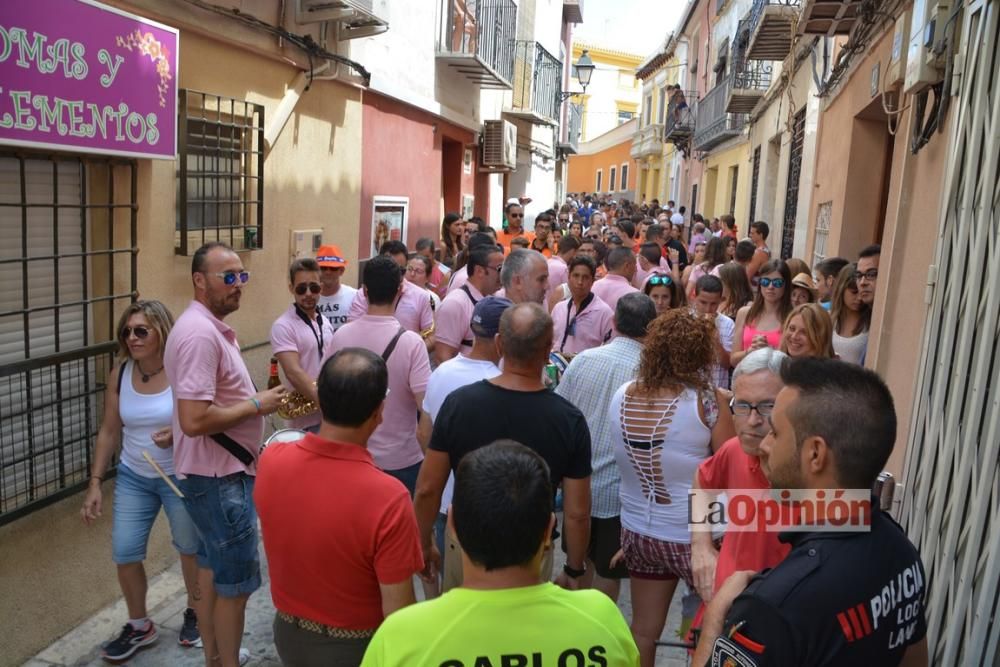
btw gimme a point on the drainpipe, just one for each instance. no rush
(287, 105)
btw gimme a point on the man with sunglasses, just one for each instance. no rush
(514, 214)
(217, 429)
(736, 465)
(301, 336)
(453, 332)
(335, 298)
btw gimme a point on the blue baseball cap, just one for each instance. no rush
(486, 316)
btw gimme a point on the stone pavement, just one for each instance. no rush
(167, 599)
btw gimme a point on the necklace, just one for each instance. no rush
(145, 375)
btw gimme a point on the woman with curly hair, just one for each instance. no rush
(668, 420)
(452, 239)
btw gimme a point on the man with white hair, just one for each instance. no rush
(736, 465)
(525, 276)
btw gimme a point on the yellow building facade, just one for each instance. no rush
(656, 159)
(726, 188)
(613, 95)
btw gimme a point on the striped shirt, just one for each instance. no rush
(589, 383)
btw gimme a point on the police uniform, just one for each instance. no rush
(839, 598)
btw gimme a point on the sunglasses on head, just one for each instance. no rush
(230, 277)
(661, 280)
(140, 332)
(301, 288)
(777, 283)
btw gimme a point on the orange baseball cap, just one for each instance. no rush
(330, 256)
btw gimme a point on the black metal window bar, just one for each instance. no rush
(754, 179)
(760, 6)
(792, 188)
(680, 120)
(537, 80)
(748, 74)
(220, 184)
(713, 123)
(483, 28)
(67, 268)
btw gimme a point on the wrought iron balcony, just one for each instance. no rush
(771, 24)
(573, 11)
(829, 17)
(713, 124)
(680, 120)
(750, 80)
(476, 38)
(537, 84)
(574, 126)
(647, 141)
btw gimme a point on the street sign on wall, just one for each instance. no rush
(80, 76)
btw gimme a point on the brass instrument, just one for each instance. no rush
(295, 404)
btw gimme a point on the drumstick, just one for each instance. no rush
(159, 470)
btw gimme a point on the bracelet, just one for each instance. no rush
(573, 573)
(97, 477)
(256, 404)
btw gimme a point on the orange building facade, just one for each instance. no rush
(604, 165)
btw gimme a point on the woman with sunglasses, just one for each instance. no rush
(851, 317)
(664, 291)
(759, 324)
(452, 238)
(301, 336)
(138, 412)
(583, 320)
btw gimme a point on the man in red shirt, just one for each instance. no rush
(736, 465)
(340, 535)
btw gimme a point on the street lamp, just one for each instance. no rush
(584, 70)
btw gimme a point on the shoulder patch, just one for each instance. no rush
(776, 584)
(727, 653)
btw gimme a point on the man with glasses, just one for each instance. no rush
(217, 429)
(736, 465)
(514, 214)
(543, 231)
(301, 336)
(335, 298)
(868, 273)
(453, 332)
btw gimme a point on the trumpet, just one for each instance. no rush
(294, 404)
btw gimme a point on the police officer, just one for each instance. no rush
(852, 597)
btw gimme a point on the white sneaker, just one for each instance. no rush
(244, 656)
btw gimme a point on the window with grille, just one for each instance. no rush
(624, 173)
(220, 184)
(611, 179)
(823, 215)
(754, 179)
(734, 180)
(67, 268)
(600, 177)
(661, 105)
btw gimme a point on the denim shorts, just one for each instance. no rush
(408, 476)
(223, 512)
(137, 502)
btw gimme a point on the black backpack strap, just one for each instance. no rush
(234, 448)
(392, 345)
(121, 374)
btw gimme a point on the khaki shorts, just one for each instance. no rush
(452, 575)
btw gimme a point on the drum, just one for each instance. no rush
(282, 435)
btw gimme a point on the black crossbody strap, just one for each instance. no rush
(392, 345)
(234, 448)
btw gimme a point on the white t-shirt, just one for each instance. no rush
(726, 328)
(334, 308)
(453, 374)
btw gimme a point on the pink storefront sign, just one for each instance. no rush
(80, 76)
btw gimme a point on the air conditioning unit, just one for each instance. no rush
(357, 18)
(499, 146)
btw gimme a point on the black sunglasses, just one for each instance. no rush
(140, 332)
(301, 288)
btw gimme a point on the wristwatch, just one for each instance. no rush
(573, 573)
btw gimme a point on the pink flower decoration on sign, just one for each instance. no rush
(148, 45)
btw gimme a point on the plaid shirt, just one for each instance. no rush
(590, 381)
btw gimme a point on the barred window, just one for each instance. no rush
(220, 184)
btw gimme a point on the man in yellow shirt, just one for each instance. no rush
(503, 614)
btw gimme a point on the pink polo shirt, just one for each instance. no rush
(458, 278)
(612, 287)
(290, 333)
(202, 360)
(413, 311)
(558, 271)
(591, 327)
(394, 444)
(454, 316)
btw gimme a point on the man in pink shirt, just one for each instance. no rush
(559, 263)
(412, 308)
(461, 276)
(397, 445)
(525, 277)
(300, 338)
(621, 269)
(217, 428)
(452, 331)
(582, 321)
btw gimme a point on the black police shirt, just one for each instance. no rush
(837, 599)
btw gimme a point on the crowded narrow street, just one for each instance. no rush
(499, 333)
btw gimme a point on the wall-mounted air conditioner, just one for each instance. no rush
(499, 146)
(357, 18)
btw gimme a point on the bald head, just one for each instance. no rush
(526, 334)
(351, 386)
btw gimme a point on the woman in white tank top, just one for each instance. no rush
(138, 411)
(851, 318)
(668, 421)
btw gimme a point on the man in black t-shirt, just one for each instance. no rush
(838, 598)
(517, 406)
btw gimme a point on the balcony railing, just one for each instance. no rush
(822, 17)
(647, 141)
(574, 126)
(680, 120)
(714, 124)
(750, 80)
(537, 84)
(771, 24)
(573, 11)
(476, 38)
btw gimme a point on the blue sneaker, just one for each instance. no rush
(190, 636)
